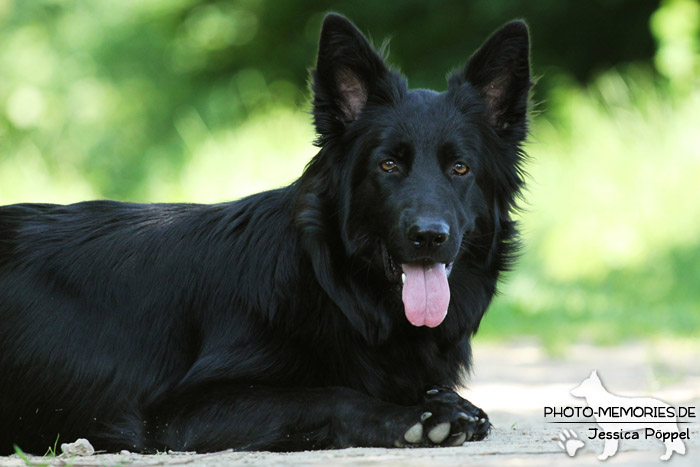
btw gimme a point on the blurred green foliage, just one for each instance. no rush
(190, 100)
(105, 98)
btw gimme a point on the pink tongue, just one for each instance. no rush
(426, 293)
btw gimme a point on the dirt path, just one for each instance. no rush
(513, 384)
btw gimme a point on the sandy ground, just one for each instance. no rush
(512, 383)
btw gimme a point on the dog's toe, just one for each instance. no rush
(414, 435)
(438, 434)
(456, 440)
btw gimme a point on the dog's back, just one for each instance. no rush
(103, 305)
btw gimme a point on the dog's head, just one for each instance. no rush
(417, 184)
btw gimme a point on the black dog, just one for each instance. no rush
(334, 312)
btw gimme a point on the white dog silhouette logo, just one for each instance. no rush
(617, 415)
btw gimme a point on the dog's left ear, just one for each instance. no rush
(500, 72)
(347, 73)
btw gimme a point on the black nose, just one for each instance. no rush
(429, 233)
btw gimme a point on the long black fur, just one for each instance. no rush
(275, 322)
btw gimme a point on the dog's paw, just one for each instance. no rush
(475, 420)
(448, 420)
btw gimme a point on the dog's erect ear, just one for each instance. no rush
(500, 72)
(347, 71)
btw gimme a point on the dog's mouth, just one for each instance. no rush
(424, 288)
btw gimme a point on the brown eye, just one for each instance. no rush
(460, 168)
(388, 165)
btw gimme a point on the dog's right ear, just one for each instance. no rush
(347, 73)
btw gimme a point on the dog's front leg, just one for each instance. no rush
(248, 417)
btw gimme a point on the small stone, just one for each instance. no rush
(81, 447)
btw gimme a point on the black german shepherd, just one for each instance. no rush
(334, 312)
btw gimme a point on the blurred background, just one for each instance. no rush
(206, 101)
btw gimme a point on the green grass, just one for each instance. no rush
(52, 451)
(46, 460)
(22, 455)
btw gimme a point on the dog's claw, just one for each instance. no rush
(432, 392)
(425, 416)
(414, 434)
(467, 417)
(438, 434)
(469, 434)
(482, 421)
